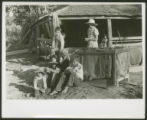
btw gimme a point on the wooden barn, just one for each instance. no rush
(121, 23)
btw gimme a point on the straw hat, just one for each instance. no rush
(92, 21)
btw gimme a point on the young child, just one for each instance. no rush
(40, 84)
(76, 73)
(58, 42)
(104, 43)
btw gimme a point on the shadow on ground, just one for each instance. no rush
(26, 59)
(25, 83)
(88, 90)
(26, 77)
(23, 88)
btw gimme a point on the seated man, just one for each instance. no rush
(53, 71)
(64, 63)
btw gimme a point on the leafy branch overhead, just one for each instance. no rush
(20, 17)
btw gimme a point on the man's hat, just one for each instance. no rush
(92, 21)
(53, 60)
(40, 70)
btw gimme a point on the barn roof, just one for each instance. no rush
(100, 10)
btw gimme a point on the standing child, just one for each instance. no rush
(104, 43)
(58, 41)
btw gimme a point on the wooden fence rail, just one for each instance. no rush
(17, 52)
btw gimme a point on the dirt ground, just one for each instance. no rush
(20, 70)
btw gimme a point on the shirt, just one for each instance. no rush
(58, 41)
(40, 82)
(64, 64)
(93, 36)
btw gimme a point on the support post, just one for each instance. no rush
(114, 82)
(37, 42)
(109, 28)
(47, 29)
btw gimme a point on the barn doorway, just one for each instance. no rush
(76, 31)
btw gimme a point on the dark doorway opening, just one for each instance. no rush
(76, 31)
(103, 28)
(126, 27)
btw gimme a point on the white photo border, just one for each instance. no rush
(92, 108)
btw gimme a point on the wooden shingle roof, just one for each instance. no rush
(101, 10)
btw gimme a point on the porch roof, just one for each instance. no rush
(100, 10)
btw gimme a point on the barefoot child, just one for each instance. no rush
(76, 73)
(40, 84)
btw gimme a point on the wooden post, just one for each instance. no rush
(45, 47)
(114, 69)
(30, 40)
(42, 35)
(44, 41)
(81, 59)
(47, 29)
(109, 27)
(37, 35)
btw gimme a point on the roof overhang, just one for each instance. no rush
(97, 17)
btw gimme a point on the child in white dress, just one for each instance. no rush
(76, 73)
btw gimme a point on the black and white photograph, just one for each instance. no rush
(73, 51)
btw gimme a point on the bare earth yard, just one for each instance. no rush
(20, 73)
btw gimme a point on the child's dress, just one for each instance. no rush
(41, 85)
(76, 75)
(58, 42)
